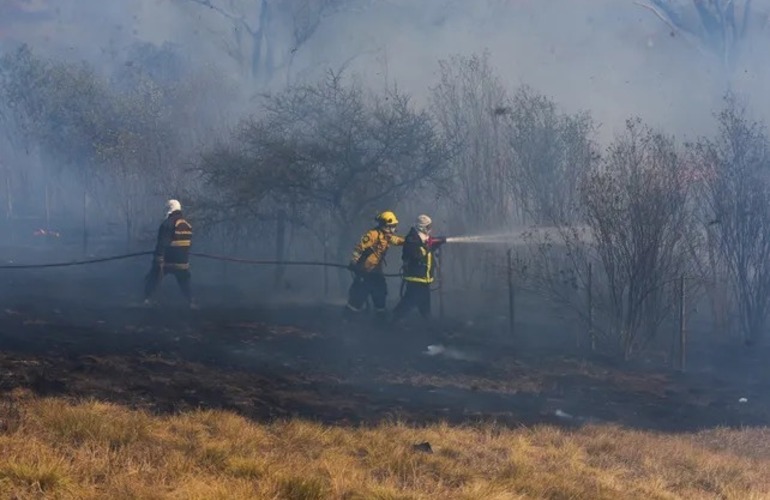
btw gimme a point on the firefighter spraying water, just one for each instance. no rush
(419, 261)
(419, 257)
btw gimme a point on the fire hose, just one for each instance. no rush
(75, 262)
(194, 254)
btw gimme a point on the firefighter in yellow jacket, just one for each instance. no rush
(368, 262)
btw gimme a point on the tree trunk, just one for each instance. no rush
(129, 226)
(280, 241)
(261, 60)
(626, 335)
(224, 263)
(47, 206)
(326, 269)
(756, 327)
(9, 206)
(345, 244)
(85, 221)
(9, 197)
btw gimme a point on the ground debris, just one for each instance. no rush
(36, 322)
(423, 447)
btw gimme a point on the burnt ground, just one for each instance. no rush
(89, 338)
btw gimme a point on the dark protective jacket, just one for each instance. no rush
(418, 259)
(174, 241)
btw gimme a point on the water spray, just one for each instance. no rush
(515, 237)
(490, 238)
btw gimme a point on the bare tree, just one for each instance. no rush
(519, 158)
(554, 264)
(57, 109)
(636, 206)
(136, 146)
(469, 103)
(11, 147)
(717, 27)
(331, 151)
(265, 35)
(632, 227)
(709, 269)
(92, 133)
(550, 151)
(737, 200)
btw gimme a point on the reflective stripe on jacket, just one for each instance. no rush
(174, 241)
(182, 234)
(419, 261)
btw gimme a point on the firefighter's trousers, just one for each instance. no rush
(158, 271)
(416, 295)
(365, 285)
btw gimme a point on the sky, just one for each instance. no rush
(610, 57)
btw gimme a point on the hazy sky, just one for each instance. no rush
(608, 56)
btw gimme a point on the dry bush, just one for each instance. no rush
(735, 197)
(636, 204)
(10, 417)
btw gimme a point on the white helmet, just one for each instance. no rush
(173, 206)
(423, 224)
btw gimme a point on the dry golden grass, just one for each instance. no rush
(55, 449)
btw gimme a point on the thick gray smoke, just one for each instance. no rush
(610, 56)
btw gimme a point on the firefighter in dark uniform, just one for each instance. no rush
(172, 253)
(419, 264)
(368, 262)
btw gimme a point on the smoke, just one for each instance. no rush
(450, 353)
(611, 57)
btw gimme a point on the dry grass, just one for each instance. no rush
(56, 449)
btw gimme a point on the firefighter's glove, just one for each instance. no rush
(435, 242)
(158, 260)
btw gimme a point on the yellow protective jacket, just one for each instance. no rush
(369, 253)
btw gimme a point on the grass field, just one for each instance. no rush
(53, 448)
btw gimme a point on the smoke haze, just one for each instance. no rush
(611, 57)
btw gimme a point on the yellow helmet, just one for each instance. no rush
(386, 218)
